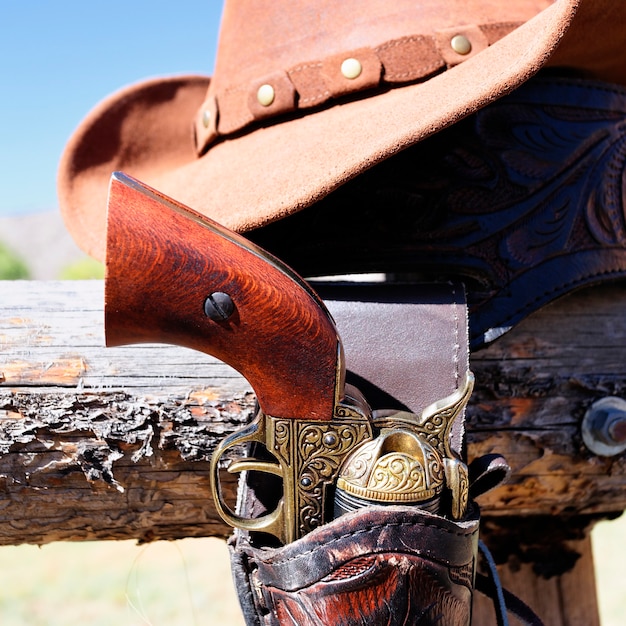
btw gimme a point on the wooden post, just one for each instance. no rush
(100, 443)
(567, 599)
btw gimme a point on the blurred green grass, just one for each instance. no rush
(178, 583)
(82, 269)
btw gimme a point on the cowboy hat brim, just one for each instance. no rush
(263, 175)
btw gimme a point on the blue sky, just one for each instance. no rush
(59, 59)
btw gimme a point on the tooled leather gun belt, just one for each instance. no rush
(522, 201)
(345, 515)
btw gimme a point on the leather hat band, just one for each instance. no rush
(313, 83)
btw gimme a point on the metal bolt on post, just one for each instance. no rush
(604, 426)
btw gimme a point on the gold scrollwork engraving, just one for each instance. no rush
(320, 451)
(281, 438)
(397, 466)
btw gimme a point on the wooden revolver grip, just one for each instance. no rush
(164, 260)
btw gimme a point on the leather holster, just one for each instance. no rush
(380, 565)
(391, 564)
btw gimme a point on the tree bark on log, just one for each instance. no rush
(99, 443)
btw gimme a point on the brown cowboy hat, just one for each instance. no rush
(308, 95)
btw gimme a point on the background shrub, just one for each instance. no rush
(12, 267)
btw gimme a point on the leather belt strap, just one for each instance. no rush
(406, 346)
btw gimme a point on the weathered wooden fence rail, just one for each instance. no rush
(104, 443)
(99, 443)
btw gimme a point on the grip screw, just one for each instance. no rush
(219, 306)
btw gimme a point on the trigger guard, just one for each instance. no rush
(273, 522)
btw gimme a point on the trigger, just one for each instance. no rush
(252, 465)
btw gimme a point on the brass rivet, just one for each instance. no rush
(206, 118)
(351, 68)
(265, 95)
(461, 44)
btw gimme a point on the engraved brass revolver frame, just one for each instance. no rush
(230, 299)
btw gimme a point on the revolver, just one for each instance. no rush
(175, 276)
